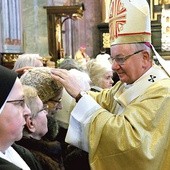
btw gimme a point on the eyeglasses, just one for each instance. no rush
(53, 104)
(20, 102)
(55, 101)
(45, 108)
(35, 114)
(121, 60)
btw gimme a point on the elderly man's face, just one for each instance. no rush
(134, 66)
(55, 104)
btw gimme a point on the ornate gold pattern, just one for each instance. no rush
(154, 15)
(106, 40)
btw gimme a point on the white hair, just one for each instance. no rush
(28, 60)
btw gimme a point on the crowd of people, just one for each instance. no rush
(78, 116)
(42, 128)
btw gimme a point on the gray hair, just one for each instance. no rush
(140, 46)
(31, 95)
(23, 60)
(96, 70)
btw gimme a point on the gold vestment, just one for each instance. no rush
(136, 139)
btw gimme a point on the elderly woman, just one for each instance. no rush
(36, 122)
(50, 93)
(34, 60)
(13, 112)
(27, 61)
(48, 152)
(100, 74)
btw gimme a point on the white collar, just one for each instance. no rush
(12, 156)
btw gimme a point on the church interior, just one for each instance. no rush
(56, 29)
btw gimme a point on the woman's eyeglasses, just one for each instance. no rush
(45, 108)
(20, 102)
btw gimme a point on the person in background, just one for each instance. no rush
(48, 152)
(49, 91)
(103, 56)
(127, 126)
(81, 57)
(100, 73)
(69, 63)
(27, 61)
(68, 102)
(13, 112)
(71, 154)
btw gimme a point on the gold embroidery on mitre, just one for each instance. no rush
(117, 18)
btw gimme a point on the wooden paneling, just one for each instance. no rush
(54, 20)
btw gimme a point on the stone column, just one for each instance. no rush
(86, 31)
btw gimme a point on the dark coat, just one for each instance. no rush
(47, 152)
(26, 155)
(74, 158)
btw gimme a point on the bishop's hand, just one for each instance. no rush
(68, 80)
